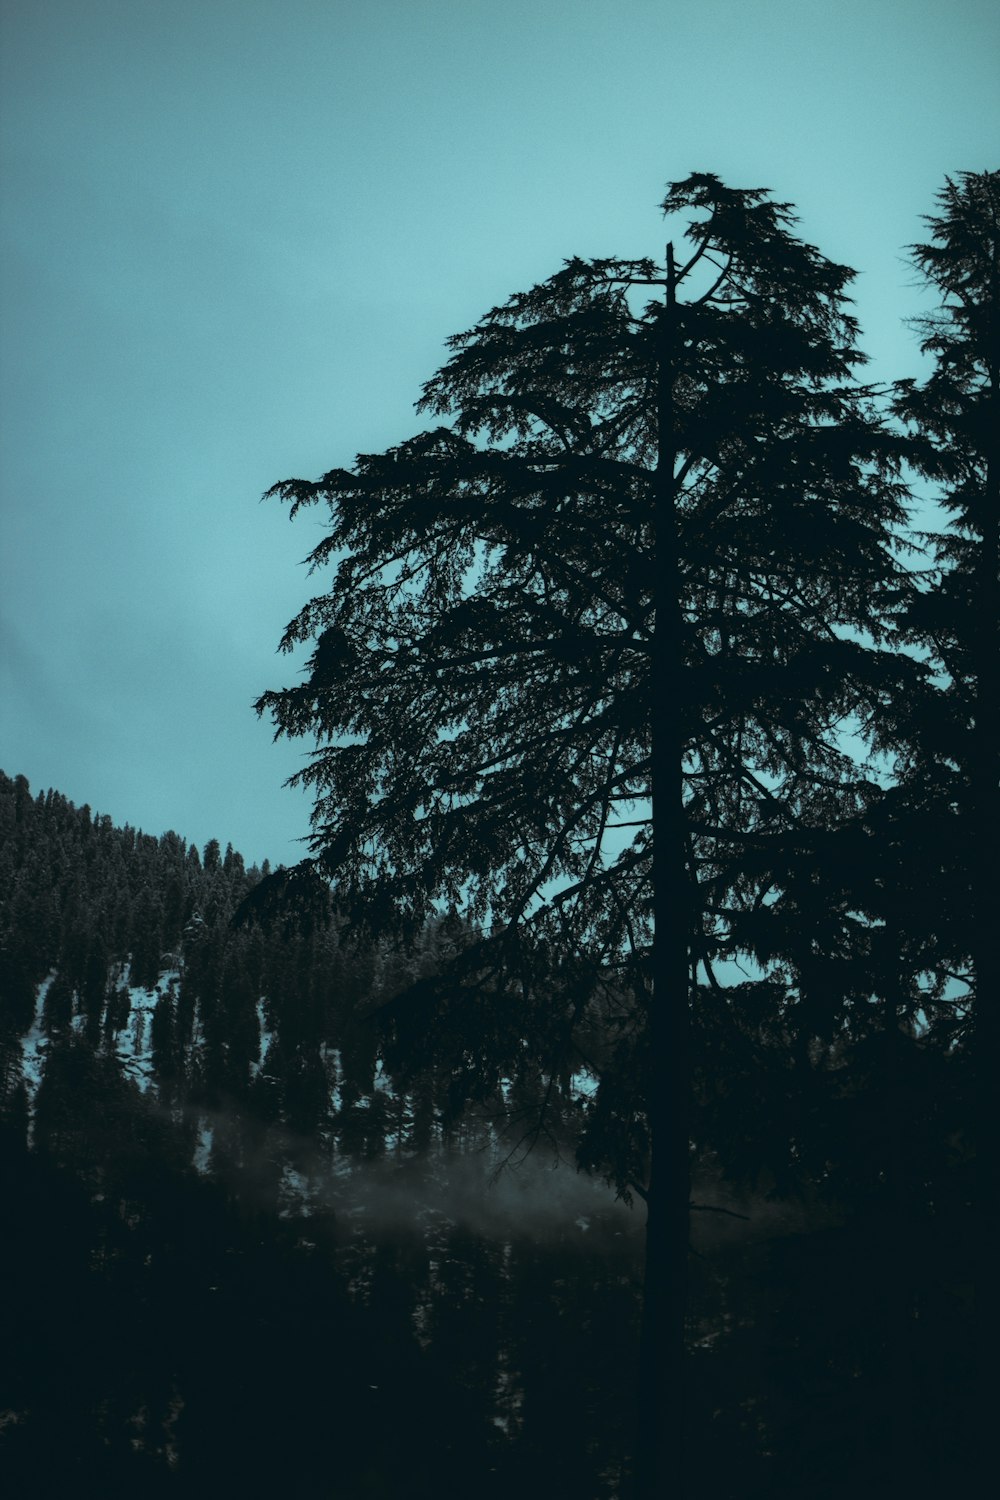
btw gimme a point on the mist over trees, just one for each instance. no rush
(655, 787)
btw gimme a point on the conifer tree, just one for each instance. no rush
(952, 793)
(584, 665)
(955, 419)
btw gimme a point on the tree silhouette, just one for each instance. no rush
(586, 663)
(955, 420)
(954, 416)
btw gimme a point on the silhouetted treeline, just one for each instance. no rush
(643, 654)
(238, 1250)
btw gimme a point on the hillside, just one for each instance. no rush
(210, 1171)
(254, 1241)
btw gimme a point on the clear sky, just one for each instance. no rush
(235, 235)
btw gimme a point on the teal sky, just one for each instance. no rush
(235, 235)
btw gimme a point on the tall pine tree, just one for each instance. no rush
(586, 663)
(954, 416)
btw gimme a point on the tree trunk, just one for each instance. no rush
(660, 1455)
(985, 800)
(894, 1245)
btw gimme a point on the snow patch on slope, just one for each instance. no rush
(34, 1045)
(134, 1044)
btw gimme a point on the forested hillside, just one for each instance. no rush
(236, 1250)
(242, 1251)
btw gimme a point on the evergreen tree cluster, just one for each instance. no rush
(119, 945)
(639, 658)
(237, 1242)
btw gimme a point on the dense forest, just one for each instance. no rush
(593, 1111)
(242, 1250)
